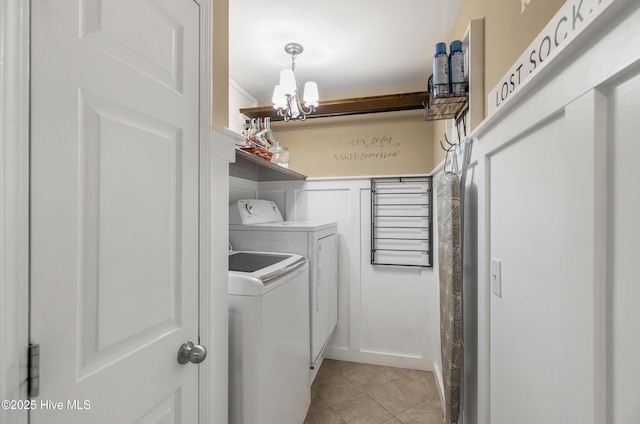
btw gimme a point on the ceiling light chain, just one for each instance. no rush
(286, 99)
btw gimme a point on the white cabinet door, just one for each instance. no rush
(324, 299)
(331, 275)
(114, 219)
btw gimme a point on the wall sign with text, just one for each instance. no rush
(571, 19)
(365, 148)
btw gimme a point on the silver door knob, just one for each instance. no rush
(191, 353)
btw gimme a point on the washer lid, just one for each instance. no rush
(256, 273)
(253, 261)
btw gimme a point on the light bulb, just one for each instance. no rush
(311, 94)
(288, 82)
(279, 100)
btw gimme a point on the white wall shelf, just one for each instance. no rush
(251, 167)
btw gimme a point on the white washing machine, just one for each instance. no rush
(268, 338)
(256, 224)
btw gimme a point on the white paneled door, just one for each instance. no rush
(114, 209)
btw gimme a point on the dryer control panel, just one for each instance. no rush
(254, 211)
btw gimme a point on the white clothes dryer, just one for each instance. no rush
(256, 224)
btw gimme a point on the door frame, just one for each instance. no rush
(205, 333)
(14, 203)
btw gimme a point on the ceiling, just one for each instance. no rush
(350, 46)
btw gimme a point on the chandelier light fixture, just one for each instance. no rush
(286, 99)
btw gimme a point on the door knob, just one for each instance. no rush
(191, 353)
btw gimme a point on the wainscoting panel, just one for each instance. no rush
(386, 314)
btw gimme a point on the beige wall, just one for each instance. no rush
(439, 128)
(507, 33)
(220, 64)
(375, 144)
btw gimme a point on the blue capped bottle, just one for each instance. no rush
(456, 67)
(440, 70)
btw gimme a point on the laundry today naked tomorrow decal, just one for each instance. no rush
(572, 18)
(365, 148)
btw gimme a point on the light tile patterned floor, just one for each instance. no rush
(354, 393)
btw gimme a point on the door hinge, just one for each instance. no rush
(34, 370)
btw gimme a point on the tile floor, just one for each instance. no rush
(354, 393)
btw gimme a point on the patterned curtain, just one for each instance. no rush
(450, 269)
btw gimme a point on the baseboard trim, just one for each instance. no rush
(375, 358)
